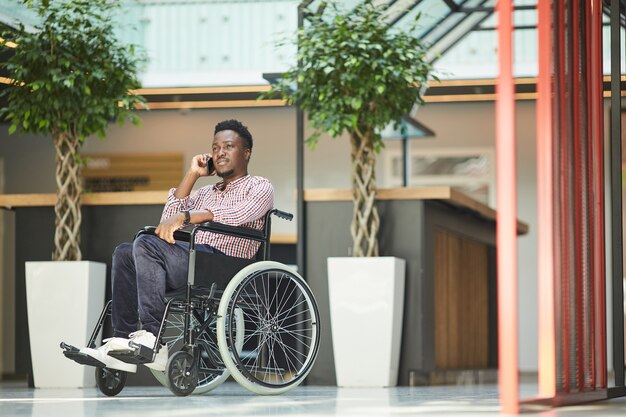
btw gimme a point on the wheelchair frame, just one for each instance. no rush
(234, 322)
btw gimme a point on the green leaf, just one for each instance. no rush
(12, 128)
(355, 75)
(78, 70)
(351, 60)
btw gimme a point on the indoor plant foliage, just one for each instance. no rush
(356, 74)
(70, 77)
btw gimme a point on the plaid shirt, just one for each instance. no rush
(243, 202)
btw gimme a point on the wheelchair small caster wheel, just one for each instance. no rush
(110, 381)
(182, 373)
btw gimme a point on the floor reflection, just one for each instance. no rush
(233, 400)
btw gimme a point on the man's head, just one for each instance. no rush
(231, 149)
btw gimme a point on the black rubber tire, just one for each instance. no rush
(182, 373)
(280, 321)
(110, 381)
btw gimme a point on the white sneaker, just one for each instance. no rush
(101, 354)
(160, 360)
(117, 343)
(141, 337)
(145, 338)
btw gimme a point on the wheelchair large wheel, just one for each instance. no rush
(211, 370)
(280, 328)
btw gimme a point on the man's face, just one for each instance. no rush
(230, 155)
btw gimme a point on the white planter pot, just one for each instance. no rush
(366, 297)
(64, 301)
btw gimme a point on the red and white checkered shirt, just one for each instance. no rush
(243, 202)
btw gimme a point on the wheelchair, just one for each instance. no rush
(254, 319)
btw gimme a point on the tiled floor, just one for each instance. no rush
(232, 400)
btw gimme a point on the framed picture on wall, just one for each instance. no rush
(471, 170)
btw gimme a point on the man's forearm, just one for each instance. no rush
(200, 216)
(186, 185)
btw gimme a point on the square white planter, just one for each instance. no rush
(366, 297)
(64, 301)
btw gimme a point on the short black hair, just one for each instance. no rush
(235, 126)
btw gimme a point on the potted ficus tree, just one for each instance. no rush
(355, 75)
(70, 78)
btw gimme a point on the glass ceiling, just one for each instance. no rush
(220, 42)
(444, 24)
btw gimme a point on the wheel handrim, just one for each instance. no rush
(281, 326)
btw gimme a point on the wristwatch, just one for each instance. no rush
(187, 216)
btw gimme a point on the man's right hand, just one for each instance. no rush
(197, 169)
(199, 165)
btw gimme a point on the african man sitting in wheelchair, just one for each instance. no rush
(209, 302)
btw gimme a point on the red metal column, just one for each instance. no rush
(572, 328)
(570, 183)
(506, 234)
(545, 229)
(597, 215)
(563, 255)
(577, 171)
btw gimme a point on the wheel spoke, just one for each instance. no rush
(279, 333)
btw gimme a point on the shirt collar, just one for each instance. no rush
(220, 185)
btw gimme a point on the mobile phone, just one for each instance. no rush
(210, 166)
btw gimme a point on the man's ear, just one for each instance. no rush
(248, 153)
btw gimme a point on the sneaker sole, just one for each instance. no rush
(111, 362)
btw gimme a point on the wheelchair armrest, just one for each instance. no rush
(182, 235)
(224, 229)
(237, 231)
(282, 214)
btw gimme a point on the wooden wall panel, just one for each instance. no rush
(461, 302)
(132, 172)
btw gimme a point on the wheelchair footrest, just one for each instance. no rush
(139, 355)
(74, 354)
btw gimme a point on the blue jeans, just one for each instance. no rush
(141, 273)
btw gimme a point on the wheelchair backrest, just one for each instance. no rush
(223, 267)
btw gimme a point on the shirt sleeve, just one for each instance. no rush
(259, 200)
(175, 205)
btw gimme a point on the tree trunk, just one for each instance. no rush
(365, 221)
(67, 208)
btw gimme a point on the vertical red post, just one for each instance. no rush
(596, 130)
(545, 228)
(506, 233)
